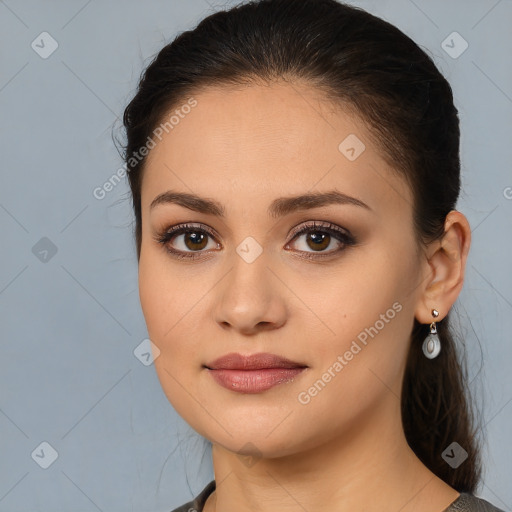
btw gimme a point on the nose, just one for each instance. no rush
(250, 298)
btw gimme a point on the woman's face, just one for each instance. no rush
(342, 305)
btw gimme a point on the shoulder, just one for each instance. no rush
(197, 504)
(467, 502)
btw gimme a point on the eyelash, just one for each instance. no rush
(340, 234)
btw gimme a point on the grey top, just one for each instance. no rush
(464, 503)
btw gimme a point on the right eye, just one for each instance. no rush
(186, 240)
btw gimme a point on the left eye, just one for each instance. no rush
(319, 237)
(316, 240)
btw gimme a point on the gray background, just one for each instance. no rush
(70, 321)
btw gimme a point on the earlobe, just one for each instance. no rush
(447, 262)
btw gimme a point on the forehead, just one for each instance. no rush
(247, 145)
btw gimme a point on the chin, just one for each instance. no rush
(270, 437)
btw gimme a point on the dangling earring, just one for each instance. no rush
(432, 344)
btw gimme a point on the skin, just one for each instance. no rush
(345, 450)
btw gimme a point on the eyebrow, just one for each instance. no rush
(278, 208)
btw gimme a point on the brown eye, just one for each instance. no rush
(324, 239)
(195, 240)
(317, 240)
(187, 241)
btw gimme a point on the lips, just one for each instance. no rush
(253, 374)
(261, 361)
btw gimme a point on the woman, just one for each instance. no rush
(294, 168)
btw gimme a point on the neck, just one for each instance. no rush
(370, 467)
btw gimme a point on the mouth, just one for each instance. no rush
(263, 361)
(255, 373)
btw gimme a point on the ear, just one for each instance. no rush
(446, 259)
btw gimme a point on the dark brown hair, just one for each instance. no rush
(375, 70)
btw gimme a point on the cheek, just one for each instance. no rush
(366, 312)
(360, 364)
(168, 306)
(161, 293)
(173, 305)
(163, 302)
(152, 299)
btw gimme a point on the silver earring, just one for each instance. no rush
(432, 344)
